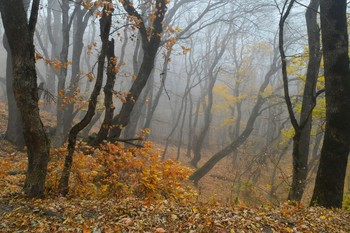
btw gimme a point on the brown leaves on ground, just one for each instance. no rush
(58, 214)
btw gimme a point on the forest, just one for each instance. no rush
(174, 116)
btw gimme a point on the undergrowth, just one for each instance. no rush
(113, 170)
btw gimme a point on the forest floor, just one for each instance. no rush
(86, 214)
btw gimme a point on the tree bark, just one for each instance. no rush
(329, 185)
(25, 89)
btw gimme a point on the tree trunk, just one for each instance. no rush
(329, 185)
(25, 89)
(108, 90)
(105, 26)
(150, 45)
(131, 128)
(181, 129)
(60, 136)
(207, 110)
(82, 17)
(156, 99)
(302, 137)
(190, 127)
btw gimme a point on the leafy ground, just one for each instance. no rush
(58, 214)
(87, 212)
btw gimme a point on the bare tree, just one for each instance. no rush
(202, 171)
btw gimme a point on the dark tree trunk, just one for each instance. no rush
(301, 140)
(105, 26)
(109, 87)
(25, 89)
(150, 45)
(108, 90)
(329, 185)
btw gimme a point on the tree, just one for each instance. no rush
(302, 129)
(25, 90)
(213, 71)
(14, 132)
(150, 44)
(329, 185)
(105, 27)
(236, 143)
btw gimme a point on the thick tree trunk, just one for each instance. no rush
(25, 89)
(329, 185)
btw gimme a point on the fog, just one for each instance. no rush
(216, 82)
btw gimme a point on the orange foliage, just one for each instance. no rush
(115, 171)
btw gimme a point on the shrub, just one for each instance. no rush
(116, 171)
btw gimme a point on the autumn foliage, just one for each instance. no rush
(113, 170)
